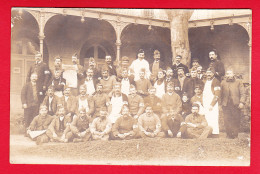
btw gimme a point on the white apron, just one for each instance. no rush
(117, 103)
(83, 104)
(90, 87)
(211, 116)
(160, 89)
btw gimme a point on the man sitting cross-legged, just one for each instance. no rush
(101, 126)
(79, 128)
(59, 126)
(195, 125)
(149, 124)
(171, 123)
(125, 126)
(38, 126)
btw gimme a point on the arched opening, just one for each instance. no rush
(231, 42)
(149, 38)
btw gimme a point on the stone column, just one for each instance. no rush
(179, 34)
(41, 30)
(118, 45)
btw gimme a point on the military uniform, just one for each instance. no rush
(100, 125)
(136, 105)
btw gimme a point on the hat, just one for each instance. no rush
(91, 59)
(181, 67)
(156, 52)
(125, 58)
(140, 51)
(195, 105)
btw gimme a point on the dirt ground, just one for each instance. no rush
(159, 151)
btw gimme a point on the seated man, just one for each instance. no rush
(59, 126)
(101, 126)
(79, 128)
(39, 125)
(149, 124)
(51, 101)
(135, 102)
(154, 101)
(143, 84)
(195, 126)
(171, 123)
(125, 127)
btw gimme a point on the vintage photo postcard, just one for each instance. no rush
(130, 86)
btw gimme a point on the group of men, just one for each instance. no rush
(131, 101)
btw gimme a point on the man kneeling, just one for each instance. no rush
(125, 126)
(59, 126)
(149, 124)
(195, 125)
(79, 128)
(101, 126)
(39, 125)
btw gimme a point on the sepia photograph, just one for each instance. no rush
(115, 86)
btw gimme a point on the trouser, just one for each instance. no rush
(232, 116)
(200, 133)
(42, 139)
(143, 135)
(174, 126)
(59, 134)
(29, 114)
(70, 136)
(99, 137)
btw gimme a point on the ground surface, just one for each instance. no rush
(164, 151)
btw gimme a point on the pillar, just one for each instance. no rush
(118, 45)
(179, 34)
(41, 31)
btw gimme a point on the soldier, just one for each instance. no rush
(58, 83)
(90, 82)
(194, 81)
(51, 101)
(195, 125)
(43, 74)
(92, 65)
(79, 128)
(126, 81)
(100, 99)
(195, 63)
(85, 101)
(142, 85)
(68, 101)
(177, 65)
(109, 64)
(59, 126)
(156, 65)
(216, 64)
(140, 63)
(124, 65)
(149, 124)
(107, 81)
(101, 126)
(183, 83)
(135, 102)
(125, 126)
(232, 100)
(171, 123)
(40, 123)
(30, 101)
(211, 94)
(154, 101)
(160, 84)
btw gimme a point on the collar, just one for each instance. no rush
(106, 78)
(170, 93)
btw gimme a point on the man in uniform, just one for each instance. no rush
(216, 64)
(143, 84)
(154, 101)
(160, 84)
(177, 65)
(40, 123)
(232, 100)
(51, 101)
(126, 81)
(107, 81)
(79, 128)
(195, 63)
(125, 126)
(135, 102)
(156, 65)
(58, 83)
(100, 99)
(149, 124)
(195, 125)
(68, 101)
(30, 101)
(194, 81)
(109, 64)
(101, 126)
(124, 65)
(90, 82)
(211, 94)
(43, 74)
(59, 126)
(139, 64)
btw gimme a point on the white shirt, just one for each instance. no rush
(125, 86)
(66, 98)
(137, 65)
(90, 86)
(83, 104)
(160, 89)
(116, 103)
(50, 100)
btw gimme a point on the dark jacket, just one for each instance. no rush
(187, 87)
(52, 110)
(27, 95)
(233, 89)
(175, 67)
(219, 69)
(70, 105)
